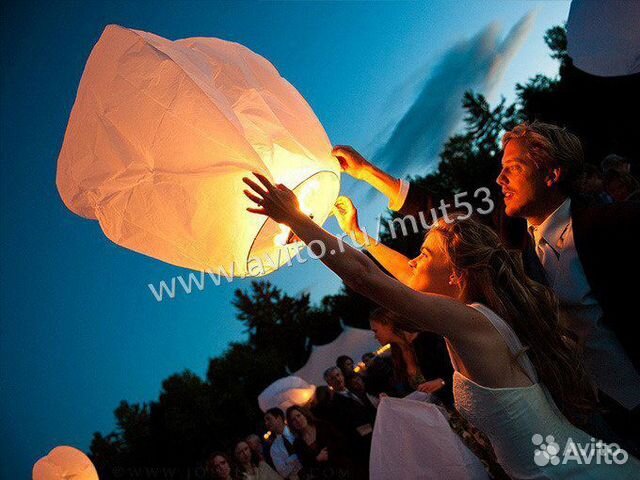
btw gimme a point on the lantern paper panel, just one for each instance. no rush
(160, 136)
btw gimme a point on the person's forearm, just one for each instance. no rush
(386, 184)
(419, 311)
(394, 262)
(347, 262)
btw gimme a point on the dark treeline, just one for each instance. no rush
(192, 417)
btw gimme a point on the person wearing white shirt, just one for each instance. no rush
(282, 454)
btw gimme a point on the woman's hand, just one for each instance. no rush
(347, 216)
(431, 386)
(351, 161)
(275, 201)
(323, 456)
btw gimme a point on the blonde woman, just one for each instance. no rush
(515, 378)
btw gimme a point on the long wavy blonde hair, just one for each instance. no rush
(495, 277)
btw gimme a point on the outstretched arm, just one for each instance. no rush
(394, 262)
(421, 311)
(358, 167)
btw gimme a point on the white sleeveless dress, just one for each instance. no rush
(520, 423)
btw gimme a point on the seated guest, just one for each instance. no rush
(256, 445)
(319, 446)
(420, 360)
(250, 467)
(345, 364)
(281, 452)
(220, 467)
(351, 415)
(355, 383)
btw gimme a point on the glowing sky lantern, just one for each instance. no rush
(285, 392)
(64, 463)
(162, 133)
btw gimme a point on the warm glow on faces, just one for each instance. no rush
(431, 269)
(383, 333)
(243, 453)
(297, 420)
(523, 184)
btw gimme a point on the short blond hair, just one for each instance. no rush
(550, 146)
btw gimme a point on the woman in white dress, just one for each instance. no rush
(482, 302)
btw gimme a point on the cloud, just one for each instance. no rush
(415, 140)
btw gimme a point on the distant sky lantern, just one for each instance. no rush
(64, 463)
(285, 392)
(160, 136)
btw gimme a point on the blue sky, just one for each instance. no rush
(79, 328)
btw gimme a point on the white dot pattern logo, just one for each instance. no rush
(547, 451)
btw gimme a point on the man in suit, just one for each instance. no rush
(586, 254)
(351, 415)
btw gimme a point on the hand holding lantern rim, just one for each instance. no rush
(275, 201)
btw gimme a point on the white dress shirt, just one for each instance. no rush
(286, 465)
(605, 359)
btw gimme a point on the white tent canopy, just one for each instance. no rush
(353, 342)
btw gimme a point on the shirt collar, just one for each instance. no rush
(555, 225)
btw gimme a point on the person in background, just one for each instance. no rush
(368, 358)
(420, 360)
(345, 364)
(321, 402)
(219, 466)
(355, 383)
(321, 448)
(615, 162)
(592, 186)
(282, 452)
(352, 416)
(621, 186)
(256, 445)
(250, 467)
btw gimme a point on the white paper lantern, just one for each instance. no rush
(64, 463)
(286, 392)
(160, 136)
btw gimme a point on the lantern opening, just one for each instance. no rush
(275, 245)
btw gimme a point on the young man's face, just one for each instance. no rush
(274, 423)
(524, 185)
(335, 380)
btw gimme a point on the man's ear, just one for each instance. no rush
(553, 177)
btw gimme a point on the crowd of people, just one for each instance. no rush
(517, 325)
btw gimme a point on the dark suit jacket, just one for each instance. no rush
(434, 362)
(606, 238)
(347, 415)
